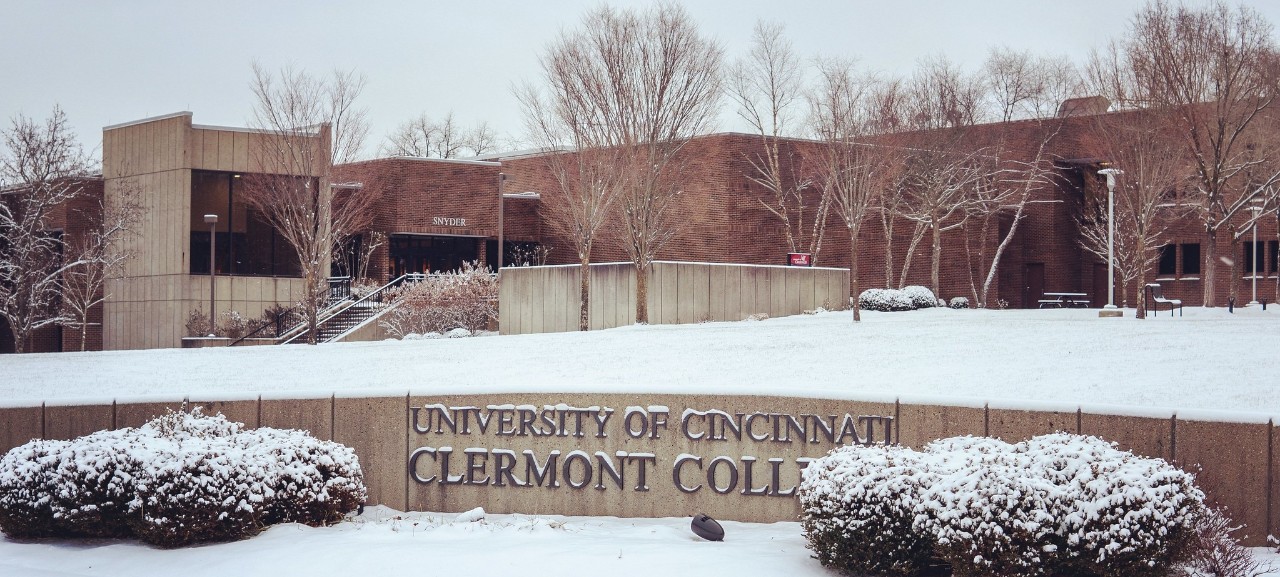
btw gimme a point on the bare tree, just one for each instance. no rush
(854, 171)
(668, 89)
(588, 178)
(1147, 194)
(1026, 86)
(1003, 187)
(646, 83)
(888, 109)
(1216, 66)
(102, 253)
(42, 169)
(423, 137)
(942, 101)
(300, 115)
(940, 178)
(944, 96)
(765, 85)
(482, 140)
(348, 125)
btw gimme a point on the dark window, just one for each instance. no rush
(1273, 251)
(247, 245)
(1191, 258)
(1168, 260)
(426, 254)
(1253, 257)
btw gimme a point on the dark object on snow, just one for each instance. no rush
(707, 528)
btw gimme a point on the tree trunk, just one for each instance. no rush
(1209, 258)
(310, 293)
(19, 342)
(584, 293)
(854, 290)
(936, 263)
(887, 226)
(642, 295)
(1237, 266)
(916, 236)
(84, 329)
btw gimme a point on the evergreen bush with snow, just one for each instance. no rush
(892, 300)
(958, 303)
(860, 508)
(885, 300)
(1053, 505)
(179, 479)
(921, 297)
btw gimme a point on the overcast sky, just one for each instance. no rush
(111, 62)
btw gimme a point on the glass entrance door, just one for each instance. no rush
(427, 254)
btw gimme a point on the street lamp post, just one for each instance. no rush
(501, 238)
(1255, 208)
(212, 221)
(1111, 310)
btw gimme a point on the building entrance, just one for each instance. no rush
(426, 254)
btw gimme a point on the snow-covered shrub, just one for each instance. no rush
(958, 303)
(363, 288)
(885, 300)
(858, 507)
(988, 515)
(26, 488)
(233, 325)
(179, 479)
(1053, 505)
(317, 481)
(197, 323)
(467, 298)
(1141, 514)
(921, 297)
(1216, 553)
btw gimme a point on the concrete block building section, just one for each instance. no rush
(177, 172)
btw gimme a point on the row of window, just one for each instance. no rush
(247, 245)
(1262, 257)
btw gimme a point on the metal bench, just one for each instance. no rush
(1156, 298)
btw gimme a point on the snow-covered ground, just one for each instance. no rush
(1206, 360)
(386, 542)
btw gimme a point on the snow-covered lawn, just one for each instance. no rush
(385, 542)
(1208, 359)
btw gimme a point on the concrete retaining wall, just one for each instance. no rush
(631, 455)
(544, 299)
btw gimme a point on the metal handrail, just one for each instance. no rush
(373, 296)
(278, 322)
(339, 288)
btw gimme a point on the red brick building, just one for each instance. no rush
(722, 219)
(433, 214)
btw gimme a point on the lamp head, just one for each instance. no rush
(1111, 174)
(211, 219)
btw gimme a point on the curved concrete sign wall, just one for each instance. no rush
(652, 456)
(662, 455)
